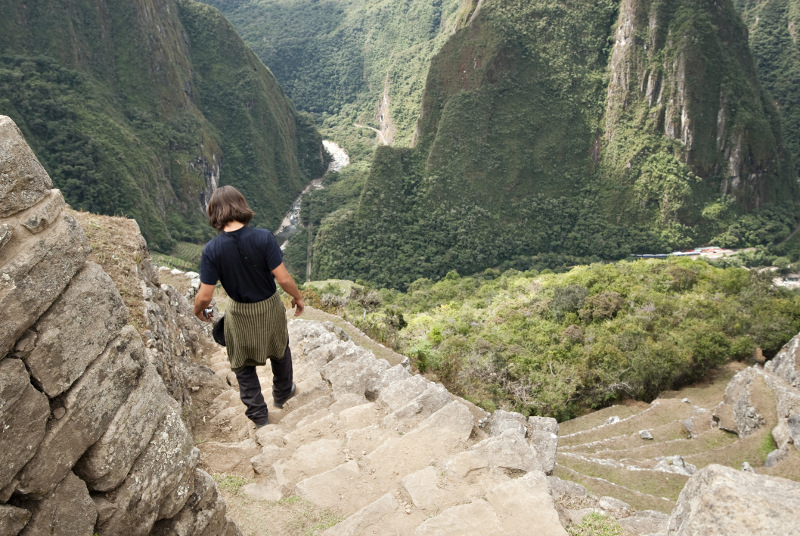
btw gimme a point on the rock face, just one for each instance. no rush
(92, 442)
(722, 500)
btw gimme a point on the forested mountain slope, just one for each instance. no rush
(142, 108)
(350, 60)
(774, 32)
(589, 129)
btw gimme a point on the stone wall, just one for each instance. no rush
(92, 441)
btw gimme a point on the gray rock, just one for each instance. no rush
(75, 330)
(106, 464)
(612, 420)
(645, 434)
(786, 363)
(794, 429)
(67, 510)
(157, 486)
(675, 464)
(23, 416)
(544, 424)
(13, 519)
(368, 520)
(44, 213)
(543, 436)
(721, 500)
(565, 488)
(507, 452)
(777, 456)
(525, 502)
(203, 513)
(386, 379)
(23, 180)
(645, 522)
(614, 506)
(34, 274)
(5, 235)
(737, 412)
(90, 406)
(477, 518)
(506, 420)
(353, 371)
(424, 490)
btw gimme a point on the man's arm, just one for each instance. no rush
(203, 300)
(288, 285)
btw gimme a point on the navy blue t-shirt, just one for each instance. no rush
(242, 281)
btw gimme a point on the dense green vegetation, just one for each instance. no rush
(774, 27)
(558, 344)
(529, 147)
(137, 108)
(337, 58)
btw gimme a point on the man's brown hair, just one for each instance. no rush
(227, 204)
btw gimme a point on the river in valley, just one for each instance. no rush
(290, 223)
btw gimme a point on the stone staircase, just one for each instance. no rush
(385, 450)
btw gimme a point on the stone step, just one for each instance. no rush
(510, 508)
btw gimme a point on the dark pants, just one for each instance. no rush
(250, 387)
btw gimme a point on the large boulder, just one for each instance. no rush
(34, 273)
(23, 416)
(86, 411)
(67, 510)
(747, 399)
(722, 500)
(23, 180)
(106, 464)
(74, 331)
(786, 363)
(158, 485)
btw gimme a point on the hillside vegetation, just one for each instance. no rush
(350, 61)
(558, 344)
(142, 108)
(571, 129)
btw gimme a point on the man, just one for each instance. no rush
(247, 262)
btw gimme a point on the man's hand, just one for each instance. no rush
(288, 285)
(298, 305)
(202, 301)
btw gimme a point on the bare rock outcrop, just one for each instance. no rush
(92, 442)
(722, 500)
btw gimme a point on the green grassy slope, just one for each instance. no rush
(138, 108)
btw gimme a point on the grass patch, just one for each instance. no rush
(596, 524)
(229, 483)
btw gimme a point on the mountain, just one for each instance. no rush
(347, 61)
(584, 129)
(773, 36)
(142, 108)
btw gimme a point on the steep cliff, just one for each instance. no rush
(588, 129)
(143, 108)
(92, 441)
(344, 60)
(773, 34)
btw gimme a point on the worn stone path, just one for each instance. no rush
(384, 450)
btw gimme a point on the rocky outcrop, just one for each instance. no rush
(756, 397)
(664, 81)
(722, 500)
(92, 442)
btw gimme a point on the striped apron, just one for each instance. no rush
(255, 332)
